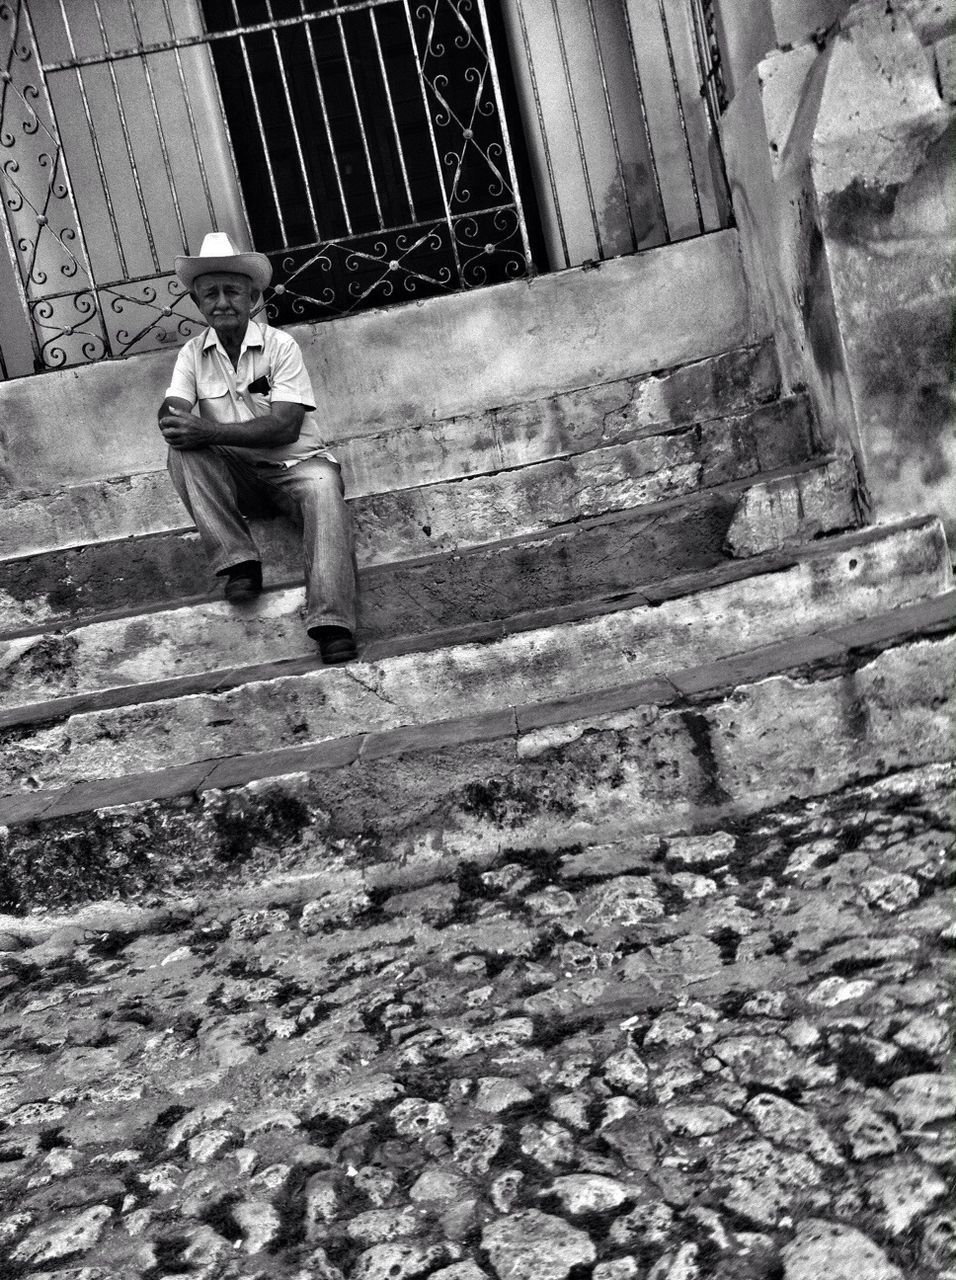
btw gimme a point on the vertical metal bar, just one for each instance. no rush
(505, 135)
(361, 121)
(194, 133)
(159, 128)
(391, 111)
(87, 268)
(261, 127)
(97, 154)
(124, 126)
(705, 60)
(21, 288)
(713, 89)
(225, 126)
(549, 163)
(577, 127)
(328, 124)
(14, 40)
(419, 67)
(644, 121)
(680, 111)
(611, 123)
(715, 64)
(292, 120)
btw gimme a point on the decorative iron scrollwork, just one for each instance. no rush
(61, 323)
(421, 78)
(440, 58)
(490, 247)
(714, 87)
(343, 275)
(143, 315)
(44, 228)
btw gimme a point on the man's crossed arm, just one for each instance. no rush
(183, 429)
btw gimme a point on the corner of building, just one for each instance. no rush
(841, 163)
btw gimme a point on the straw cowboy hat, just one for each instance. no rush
(218, 253)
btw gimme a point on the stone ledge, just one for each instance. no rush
(591, 567)
(845, 583)
(820, 657)
(628, 316)
(737, 385)
(165, 571)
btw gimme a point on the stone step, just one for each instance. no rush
(405, 524)
(638, 556)
(256, 724)
(696, 751)
(404, 457)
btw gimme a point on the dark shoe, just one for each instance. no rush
(243, 581)
(336, 644)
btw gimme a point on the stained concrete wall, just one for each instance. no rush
(932, 20)
(411, 364)
(841, 166)
(748, 30)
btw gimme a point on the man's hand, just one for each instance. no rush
(187, 431)
(183, 429)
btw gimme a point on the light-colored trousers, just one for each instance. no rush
(220, 486)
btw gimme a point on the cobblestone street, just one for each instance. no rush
(477, 640)
(712, 1056)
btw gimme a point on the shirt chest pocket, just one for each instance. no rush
(215, 399)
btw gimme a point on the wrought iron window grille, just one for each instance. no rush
(463, 224)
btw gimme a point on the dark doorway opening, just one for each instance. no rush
(373, 148)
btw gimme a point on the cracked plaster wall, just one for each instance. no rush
(840, 159)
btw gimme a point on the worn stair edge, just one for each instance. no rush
(588, 655)
(735, 707)
(607, 556)
(688, 531)
(730, 385)
(128, 576)
(212, 646)
(263, 885)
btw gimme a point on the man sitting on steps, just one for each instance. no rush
(254, 441)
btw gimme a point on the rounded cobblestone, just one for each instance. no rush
(664, 1078)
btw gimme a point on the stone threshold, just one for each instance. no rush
(903, 566)
(847, 647)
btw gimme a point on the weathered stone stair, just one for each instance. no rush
(669, 565)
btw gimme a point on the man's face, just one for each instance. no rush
(226, 301)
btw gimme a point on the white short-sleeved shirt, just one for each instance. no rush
(204, 376)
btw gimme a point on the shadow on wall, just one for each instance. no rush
(889, 246)
(820, 320)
